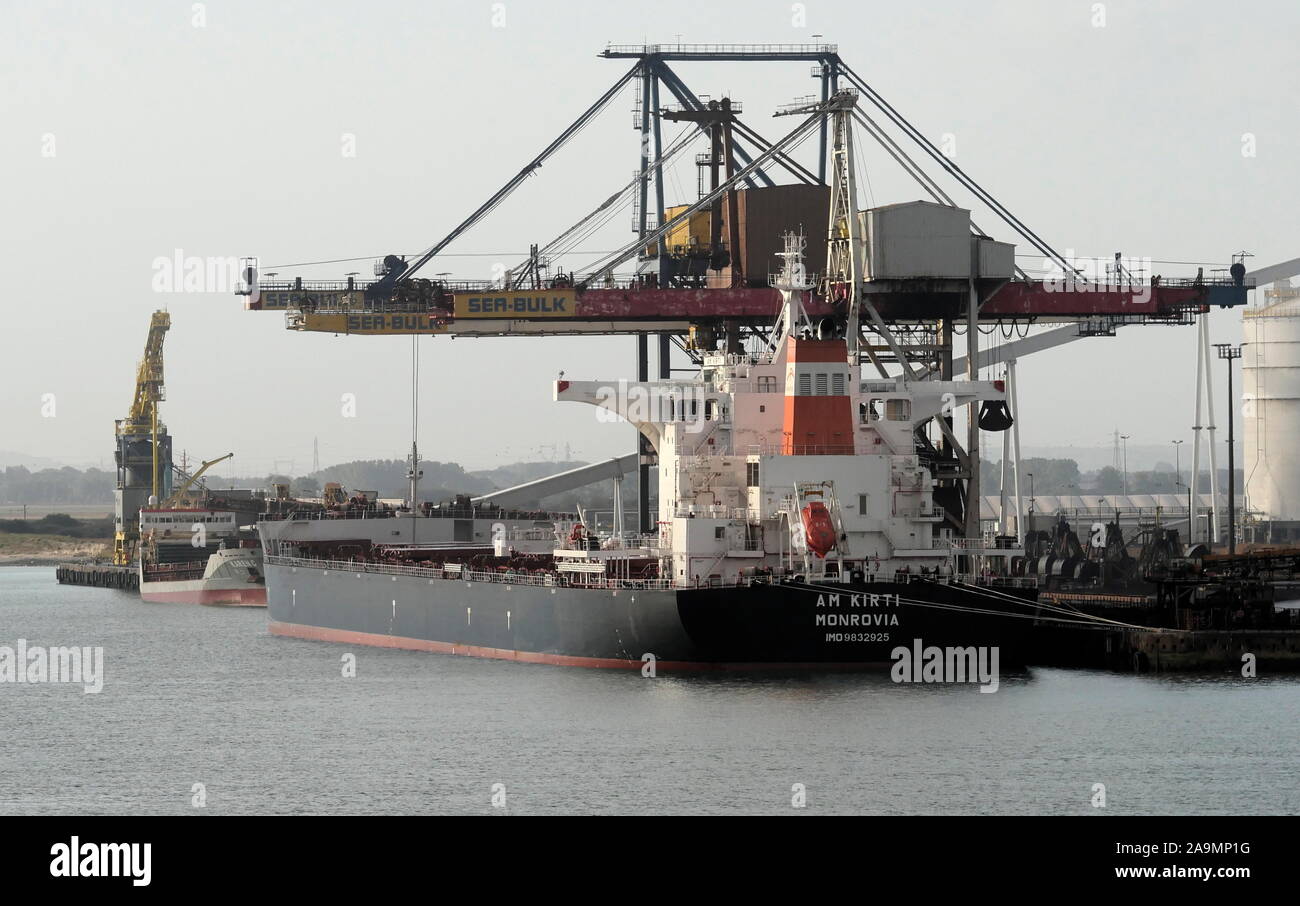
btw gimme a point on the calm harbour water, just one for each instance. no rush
(269, 725)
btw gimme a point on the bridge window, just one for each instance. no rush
(898, 410)
(751, 474)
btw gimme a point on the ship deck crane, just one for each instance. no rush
(178, 495)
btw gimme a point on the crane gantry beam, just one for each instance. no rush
(599, 305)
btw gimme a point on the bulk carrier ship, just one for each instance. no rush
(797, 526)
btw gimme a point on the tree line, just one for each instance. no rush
(1061, 477)
(443, 480)
(386, 477)
(19, 485)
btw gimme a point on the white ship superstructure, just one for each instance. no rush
(791, 460)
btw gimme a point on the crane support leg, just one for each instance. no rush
(973, 428)
(643, 445)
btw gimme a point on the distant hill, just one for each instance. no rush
(9, 458)
(387, 477)
(520, 472)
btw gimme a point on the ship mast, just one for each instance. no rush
(843, 244)
(414, 473)
(845, 262)
(792, 282)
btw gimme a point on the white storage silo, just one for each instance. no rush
(1271, 411)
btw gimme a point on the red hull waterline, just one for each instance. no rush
(251, 597)
(323, 634)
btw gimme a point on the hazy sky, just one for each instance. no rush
(131, 131)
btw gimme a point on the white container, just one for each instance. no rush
(996, 259)
(917, 239)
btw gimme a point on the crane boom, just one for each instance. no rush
(149, 388)
(1276, 272)
(403, 273)
(179, 494)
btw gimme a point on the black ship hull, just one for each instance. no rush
(765, 625)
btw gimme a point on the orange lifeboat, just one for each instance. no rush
(818, 528)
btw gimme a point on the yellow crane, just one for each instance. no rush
(178, 495)
(142, 461)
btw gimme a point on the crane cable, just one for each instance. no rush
(612, 205)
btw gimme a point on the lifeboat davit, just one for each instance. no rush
(818, 528)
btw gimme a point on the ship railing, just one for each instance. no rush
(985, 546)
(345, 286)
(373, 511)
(504, 577)
(630, 541)
(735, 513)
(739, 360)
(193, 569)
(720, 49)
(535, 534)
(385, 511)
(989, 578)
(618, 583)
(788, 449)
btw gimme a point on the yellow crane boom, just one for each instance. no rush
(179, 494)
(149, 388)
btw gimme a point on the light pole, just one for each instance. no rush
(1229, 352)
(1178, 480)
(1125, 437)
(1030, 520)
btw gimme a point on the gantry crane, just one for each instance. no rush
(928, 309)
(143, 451)
(398, 302)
